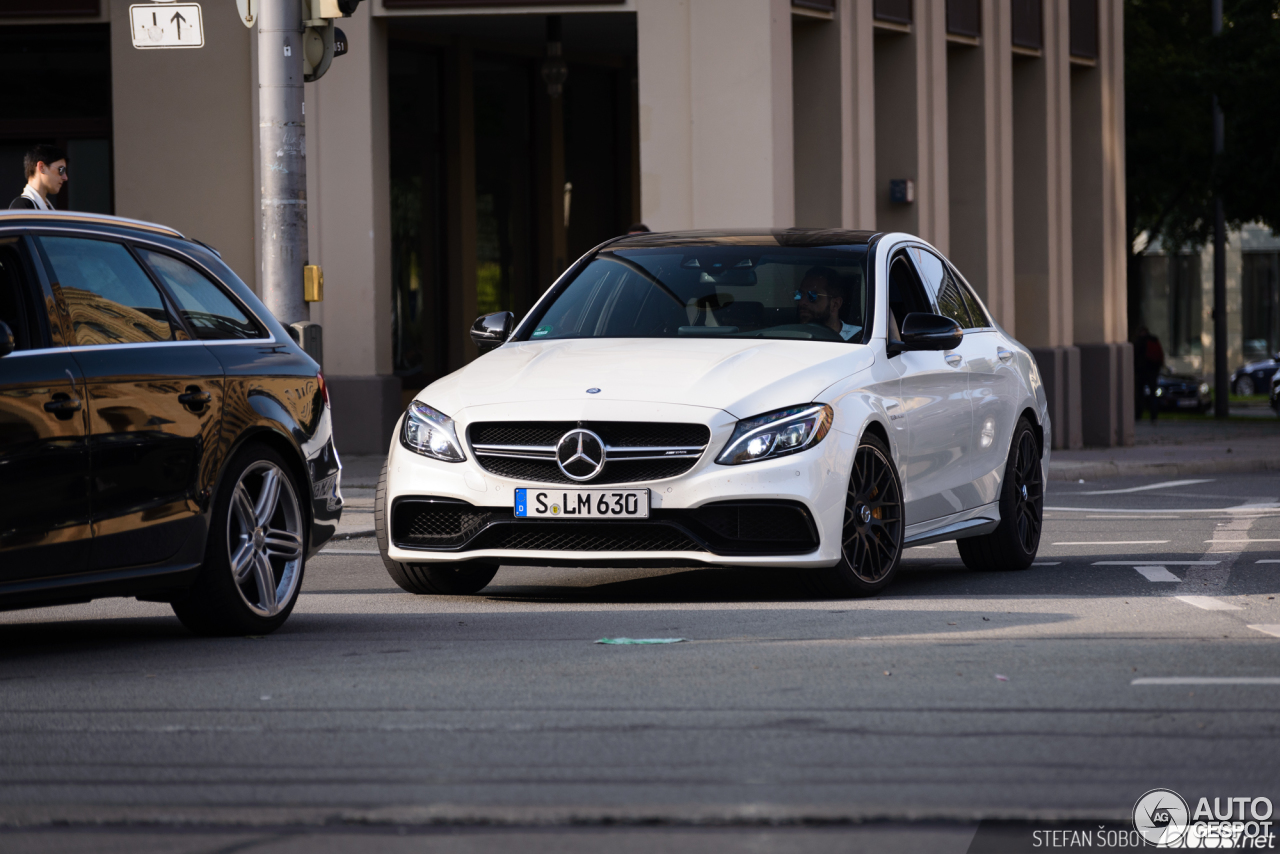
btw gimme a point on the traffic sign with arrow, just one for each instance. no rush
(168, 25)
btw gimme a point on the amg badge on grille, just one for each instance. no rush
(580, 454)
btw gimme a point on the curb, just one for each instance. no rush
(1100, 469)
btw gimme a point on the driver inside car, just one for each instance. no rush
(819, 300)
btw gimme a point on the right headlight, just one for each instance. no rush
(429, 432)
(776, 434)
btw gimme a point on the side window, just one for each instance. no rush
(17, 305)
(211, 313)
(109, 296)
(980, 318)
(947, 293)
(906, 293)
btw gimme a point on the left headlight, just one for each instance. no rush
(430, 433)
(776, 434)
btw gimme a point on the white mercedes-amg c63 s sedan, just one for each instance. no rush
(809, 400)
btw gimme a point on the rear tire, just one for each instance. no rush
(1013, 544)
(871, 536)
(463, 578)
(255, 554)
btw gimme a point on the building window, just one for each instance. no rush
(1028, 29)
(1084, 28)
(1260, 293)
(1172, 307)
(964, 18)
(895, 11)
(57, 89)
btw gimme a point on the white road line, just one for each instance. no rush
(1270, 629)
(1047, 563)
(1267, 560)
(346, 552)
(1208, 603)
(1156, 562)
(1114, 543)
(1207, 680)
(1247, 508)
(1157, 573)
(1133, 517)
(1168, 484)
(1244, 541)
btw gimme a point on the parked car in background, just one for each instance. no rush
(1254, 377)
(161, 435)
(1182, 393)
(808, 400)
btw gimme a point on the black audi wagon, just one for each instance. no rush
(161, 435)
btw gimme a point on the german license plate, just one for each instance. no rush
(1188, 402)
(582, 503)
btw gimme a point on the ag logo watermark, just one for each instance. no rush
(1164, 820)
(1161, 817)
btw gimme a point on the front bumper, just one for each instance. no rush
(815, 480)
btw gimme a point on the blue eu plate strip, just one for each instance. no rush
(522, 507)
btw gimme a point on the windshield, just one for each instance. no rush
(713, 291)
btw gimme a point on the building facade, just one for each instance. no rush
(448, 176)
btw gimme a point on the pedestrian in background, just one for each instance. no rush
(1148, 359)
(46, 170)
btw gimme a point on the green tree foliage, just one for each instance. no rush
(1173, 67)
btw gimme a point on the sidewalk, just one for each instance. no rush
(1169, 448)
(1179, 447)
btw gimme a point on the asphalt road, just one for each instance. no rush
(1142, 651)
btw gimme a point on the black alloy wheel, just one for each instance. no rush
(871, 537)
(1014, 543)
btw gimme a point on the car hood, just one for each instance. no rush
(742, 377)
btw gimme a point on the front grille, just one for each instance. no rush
(525, 450)
(622, 471)
(737, 528)
(588, 537)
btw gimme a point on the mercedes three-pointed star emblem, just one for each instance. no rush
(580, 454)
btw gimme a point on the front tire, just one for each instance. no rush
(1013, 544)
(458, 579)
(255, 554)
(871, 536)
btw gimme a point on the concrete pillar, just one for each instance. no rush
(715, 105)
(350, 236)
(1099, 291)
(857, 114)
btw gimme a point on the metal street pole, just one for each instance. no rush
(282, 141)
(1221, 381)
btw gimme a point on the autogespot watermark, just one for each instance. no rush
(1163, 819)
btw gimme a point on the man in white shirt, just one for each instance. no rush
(819, 301)
(46, 168)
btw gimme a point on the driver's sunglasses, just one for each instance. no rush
(813, 295)
(62, 170)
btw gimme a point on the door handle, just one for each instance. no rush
(194, 398)
(63, 405)
(954, 360)
(1005, 355)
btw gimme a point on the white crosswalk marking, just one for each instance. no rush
(1272, 629)
(1208, 603)
(1157, 573)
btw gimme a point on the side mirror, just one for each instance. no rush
(923, 331)
(7, 344)
(492, 330)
